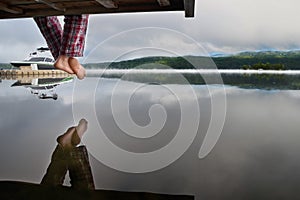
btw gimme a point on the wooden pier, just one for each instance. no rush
(19, 74)
(31, 8)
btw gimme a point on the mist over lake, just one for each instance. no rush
(255, 157)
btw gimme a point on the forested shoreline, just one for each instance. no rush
(277, 60)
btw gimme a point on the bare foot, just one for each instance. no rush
(62, 63)
(77, 68)
(65, 140)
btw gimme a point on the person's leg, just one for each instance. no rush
(73, 41)
(51, 30)
(57, 168)
(74, 33)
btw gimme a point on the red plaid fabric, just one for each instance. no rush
(68, 41)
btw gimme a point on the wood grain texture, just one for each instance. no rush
(31, 8)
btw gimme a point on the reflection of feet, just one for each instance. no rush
(77, 68)
(65, 140)
(62, 63)
(81, 127)
(73, 135)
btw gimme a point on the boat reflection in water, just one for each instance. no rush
(43, 88)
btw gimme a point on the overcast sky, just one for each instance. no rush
(225, 26)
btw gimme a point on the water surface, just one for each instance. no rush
(256, 156)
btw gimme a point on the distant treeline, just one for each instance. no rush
(265, 66)
(247, 60)
(5, 66)
(260, 60)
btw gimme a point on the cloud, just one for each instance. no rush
(224, 26)
(18, 38)
(145, 41)
(247, 24)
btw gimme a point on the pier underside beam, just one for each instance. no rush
(32, 8)
(50, 4)
(108, 3)
(164, 2)
(13, 10)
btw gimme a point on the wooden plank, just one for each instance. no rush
(7, 8)
(107, 3)
(31, 8)
(50, 4)
(17, 2)
(94, 10)
(164, 2)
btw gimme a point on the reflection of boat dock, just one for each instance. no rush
(26, 72)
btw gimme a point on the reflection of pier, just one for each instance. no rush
(41, 83)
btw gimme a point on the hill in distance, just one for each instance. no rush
(289, 59)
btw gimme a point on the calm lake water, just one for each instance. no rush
(146, 136)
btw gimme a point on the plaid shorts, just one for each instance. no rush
(68, 41)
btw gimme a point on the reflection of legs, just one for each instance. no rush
(75, 160)
(67, 156)
(57, 169)
(80, 169)
(79, 166)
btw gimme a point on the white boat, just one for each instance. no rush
(37, 60)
